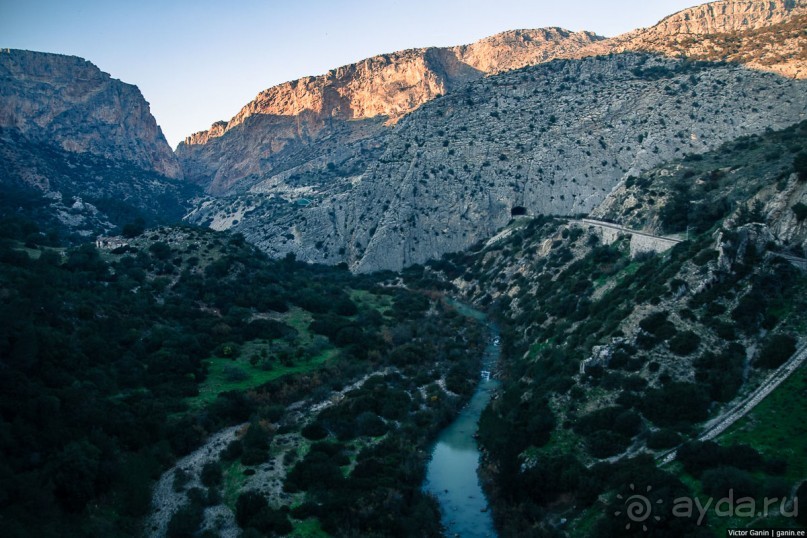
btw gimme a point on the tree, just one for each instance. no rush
(800, 165)
(778, 348)
(185, 522)
(248, 505)
(800, 209)
(75, 475)
(211, 474)
(133, 229)
(684, 343)
(718, 482)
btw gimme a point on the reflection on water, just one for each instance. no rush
(452, 472)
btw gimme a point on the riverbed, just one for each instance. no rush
(451, 475)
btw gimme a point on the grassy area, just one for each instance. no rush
(561, 442)
(233, 481)
(776, 426)
(776, 429)
(227, 374)
(308, 528)
(299, 319)
(366, 299)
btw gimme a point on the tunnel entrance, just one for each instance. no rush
(518, 211)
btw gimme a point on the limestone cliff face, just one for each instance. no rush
(519, 48)
(80, 152)
(286, 119)
(726, 16)
(762, 34)
(406, 156)
(69, 102)
(553, 139)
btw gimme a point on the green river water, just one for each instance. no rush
(452, 472)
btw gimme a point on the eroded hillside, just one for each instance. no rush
(552, 139)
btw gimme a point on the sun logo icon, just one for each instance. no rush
(638, 507)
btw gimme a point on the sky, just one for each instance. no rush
(200, 61)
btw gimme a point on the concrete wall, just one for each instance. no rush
(639, 241)
(646, 243)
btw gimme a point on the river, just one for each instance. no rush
(452, 472)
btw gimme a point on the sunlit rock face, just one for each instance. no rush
(282, 125)
(403, 157)
(68, 101)
(81, 153)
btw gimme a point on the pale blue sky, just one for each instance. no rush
(200, 61)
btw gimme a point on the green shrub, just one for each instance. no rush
(776, 350)
(315, 432)
(676, 404)
(185, 521)
(684, 343)
(211, 474)
(800, 165)
(663, 439)
(721, 481)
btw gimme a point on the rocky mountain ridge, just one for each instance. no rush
(764, 35)
(80, 152)
(297, 114)
(68, 101)
(550, 139)
(334, 168)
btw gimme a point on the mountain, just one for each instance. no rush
(334, 168)
(276, 131)
(551, 139)
(613, 354)
(764, 35)
(81, 149)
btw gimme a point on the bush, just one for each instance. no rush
(684, 343)
(677, 404)
(800, 165)
(721, 481)
(800, 210)
(315, 432)
(663, 439)
(252, 510)
(368, 423)
(185, 521)
(248, 505)
(211, 474)
(233, 451)
(697, 457)
(271, 522)
(777, 350)
(658, 325)
(604, 444)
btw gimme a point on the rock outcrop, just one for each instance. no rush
(80, 151)
(762, 34)
(352, 102)
(69, 102)
(405, 156)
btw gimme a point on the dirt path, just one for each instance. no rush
(268, 477)
(165, 501)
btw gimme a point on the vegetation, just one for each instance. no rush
(118, 362)
(605, 354)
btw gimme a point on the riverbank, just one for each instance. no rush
(452, 473)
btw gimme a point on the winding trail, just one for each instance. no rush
(724, 421)
(267, 478)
